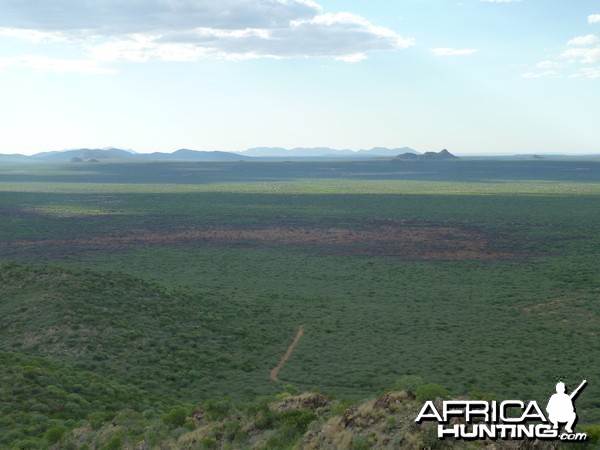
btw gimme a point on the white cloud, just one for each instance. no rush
(549, 65)
(141, 48)
(589, 72)
(581, 41)
(574, 62)
(583, 55)
(187, 30)
(543, 74)
(594, 18)
(446, 51)
(57, 65)
(353, 58)
(35, 36)
(345, 37)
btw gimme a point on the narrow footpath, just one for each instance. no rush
(288, 353)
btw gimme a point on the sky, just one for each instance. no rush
(473, 76)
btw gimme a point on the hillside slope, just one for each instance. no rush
(134, 331)
(302, 422)
(43, 398)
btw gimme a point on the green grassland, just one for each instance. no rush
(171, 284)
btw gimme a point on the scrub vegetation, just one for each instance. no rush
(147, 303)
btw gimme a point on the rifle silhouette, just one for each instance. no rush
(576, 391)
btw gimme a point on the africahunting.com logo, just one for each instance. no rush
(509, 419)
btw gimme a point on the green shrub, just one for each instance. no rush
(409, 383)
(431, 391)
(175, 418)
(360, 443)
(431, 441)
(282, 396)
(208, 443)
(233, 431)
(115, 442)
(283, 438)
(217, 409)
(293, 390)
(261, 404)
(298, 419)
(479, 395)
(54, 434)
(593, 433)
(339, 408)
(96, 419)
(31, 372)
(265, 420)
(189, 423)
(391, 423)
(27, 444)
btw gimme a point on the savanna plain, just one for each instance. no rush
(144, 305)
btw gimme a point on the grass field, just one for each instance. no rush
(177, 283)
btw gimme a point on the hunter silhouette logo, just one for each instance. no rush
(509, 419)
(560, 406)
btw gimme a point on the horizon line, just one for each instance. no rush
(242, 152)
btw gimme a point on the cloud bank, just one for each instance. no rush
(114, 17)
(187, 30)
(577, 60)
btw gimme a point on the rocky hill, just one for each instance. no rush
(301, 421)
(427, 156)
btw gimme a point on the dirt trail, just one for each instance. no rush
(288, 353)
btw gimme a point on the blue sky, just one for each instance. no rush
(473, 76)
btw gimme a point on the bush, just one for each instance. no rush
(208, 443)
(360, 443)
(283, 438)
(96, 419)
(115, 442)
(409, 383)
(27, 444)
(217, 409)
(233, 431)
(175, 418)
(266, 420)
(431, 391)
(31, 372)
(431, 440)
(54, 434)
(593, 433)
(293, 390)
(298, 419)
(340, 408)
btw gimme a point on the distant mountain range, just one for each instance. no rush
(85, 154)
(115, 154)
(274, 153)
(325, 152)
(185, 154)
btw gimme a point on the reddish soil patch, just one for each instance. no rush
(394, 238)
(564, 309)
(275, 371)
